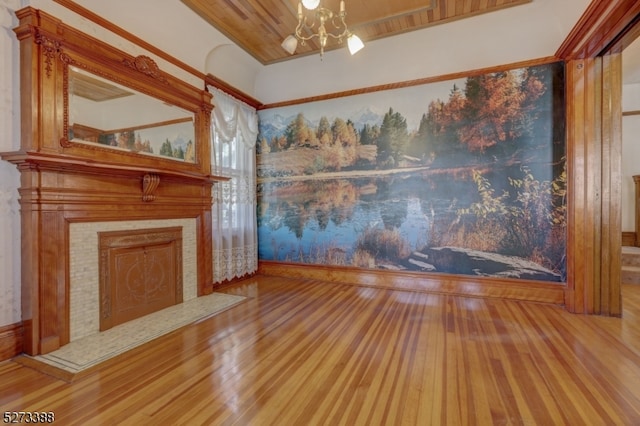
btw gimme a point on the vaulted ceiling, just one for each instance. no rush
(260, 26)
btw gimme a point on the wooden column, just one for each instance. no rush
(594, 92)
(592, 52)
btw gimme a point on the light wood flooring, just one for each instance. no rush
(304, 352)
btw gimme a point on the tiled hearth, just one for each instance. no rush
(85, 273)
(82, 354)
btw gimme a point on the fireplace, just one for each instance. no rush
(140, 273)
(87, 275)
(69, 186)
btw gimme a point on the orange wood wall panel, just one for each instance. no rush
(437, 283)
(11, 341)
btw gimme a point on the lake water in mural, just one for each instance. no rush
(314, 218)
(473, 184)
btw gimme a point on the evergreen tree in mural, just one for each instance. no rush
(178, 153)
(166, 149)
(393, 138)
(443, 121)
(127, 140)
(369, 134)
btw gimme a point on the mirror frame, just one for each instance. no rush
(103, 107)
(62, 47)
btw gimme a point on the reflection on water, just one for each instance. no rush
(304, 220)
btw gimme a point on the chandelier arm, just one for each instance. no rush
(303, 24)
(305, 38)
(341, 24)
(343, 34)
(339, 36)
(323, 16)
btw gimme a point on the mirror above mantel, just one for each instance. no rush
(92, 102)
(131, 112)
(112, 115)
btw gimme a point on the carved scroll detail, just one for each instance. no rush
(105, 294)
(147, 66)
(49, 48)
(150, 183)
(64, 141)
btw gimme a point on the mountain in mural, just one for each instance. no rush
(366, 115)
(276, 125)
(181, 141)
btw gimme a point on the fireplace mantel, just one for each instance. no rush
(64, 181)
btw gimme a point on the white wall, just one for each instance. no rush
(630, 153)
(9, 176)
(530, 31)
(173, 27)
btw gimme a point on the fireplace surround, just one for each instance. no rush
(67, 184)
(85, 275)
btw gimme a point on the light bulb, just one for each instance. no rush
(310, 4)
(290, 44)
(354, 44)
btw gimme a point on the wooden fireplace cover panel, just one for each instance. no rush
(141, 273)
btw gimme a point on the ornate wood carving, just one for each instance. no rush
(64, 181)
(105, 295)
(147, 66)
(50, 48)
(150, 183)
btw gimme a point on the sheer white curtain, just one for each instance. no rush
(235, 241)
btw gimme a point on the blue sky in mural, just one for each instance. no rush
(411, 102)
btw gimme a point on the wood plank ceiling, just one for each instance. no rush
(259, 26)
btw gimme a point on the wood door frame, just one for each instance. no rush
(592, 53)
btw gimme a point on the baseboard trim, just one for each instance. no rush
(629, 239)
(534, 291)
(11, 341)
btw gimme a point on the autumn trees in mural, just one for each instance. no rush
(133, 141)
(481, 170)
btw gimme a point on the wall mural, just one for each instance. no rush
(462, 177)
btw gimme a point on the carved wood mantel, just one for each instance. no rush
(63, 182)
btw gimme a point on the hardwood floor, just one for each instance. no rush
(301, 352)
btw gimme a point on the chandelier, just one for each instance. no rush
(322, 18)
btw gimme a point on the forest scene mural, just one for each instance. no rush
(462, 176)
(172, 140)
